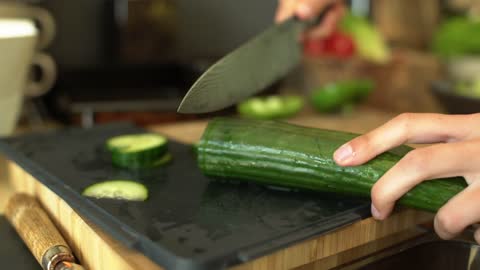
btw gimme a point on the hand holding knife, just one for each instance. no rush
(40, 234)
(251, 68)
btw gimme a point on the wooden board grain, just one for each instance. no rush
(97, 250)
(367, 249)
(5, 190)
(94, 248)
(360, 233)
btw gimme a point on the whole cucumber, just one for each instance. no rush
(286, 155)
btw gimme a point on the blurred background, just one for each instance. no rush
(134, 60)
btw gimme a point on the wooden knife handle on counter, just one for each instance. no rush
(39, 233)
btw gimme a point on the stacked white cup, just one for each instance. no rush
(24, 32)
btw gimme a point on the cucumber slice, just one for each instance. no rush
(136, 143)
(163, 160)
(270, 107)
(137, 150)
(117, 189)
(123, 161)
(195, 147)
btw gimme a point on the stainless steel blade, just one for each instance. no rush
(247, 70)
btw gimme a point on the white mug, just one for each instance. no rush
(18, 43)
(23, 31)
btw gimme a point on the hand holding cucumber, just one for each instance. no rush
(455, 152)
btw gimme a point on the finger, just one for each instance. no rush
(406, 128)
(437, 161)
(329, 23)
(307, 9)
(460, 212)
(286, 8)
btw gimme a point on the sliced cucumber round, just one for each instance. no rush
(135, 163)
(117, 189)
(270, 107)
(163, 160)
(137, 143)
(137, 150)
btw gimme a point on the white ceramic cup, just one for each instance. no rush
(18, 42)
(24, 31)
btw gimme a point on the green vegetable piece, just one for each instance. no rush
(469, 88)
(117, 189)
(333, 96)
(163, 160)
(457, 36)
(368, 40)
(136, 143)
(195, 147)
(137, 164)
(271, 107)
(137, 151)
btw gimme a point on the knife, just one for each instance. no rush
(39, 233)
(250, 68)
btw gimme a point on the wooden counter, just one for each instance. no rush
(98, 251)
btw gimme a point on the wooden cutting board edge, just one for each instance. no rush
(97, 250)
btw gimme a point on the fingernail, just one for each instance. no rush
(375, 213)
(304, 11)
(343, 153)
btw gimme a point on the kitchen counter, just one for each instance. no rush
(97, 250)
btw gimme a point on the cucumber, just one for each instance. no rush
(274, 153)
(195, 147)
(138, 143)
(137, 151)
(270, 107)
(163, 160)
(117, 189)
(122, 161)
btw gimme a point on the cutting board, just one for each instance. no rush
(189, 221)
(14, 254)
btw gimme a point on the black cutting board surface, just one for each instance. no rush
(14, 254)
(188, 221)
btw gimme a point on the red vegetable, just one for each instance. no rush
(336, 44)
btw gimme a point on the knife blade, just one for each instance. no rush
(249, 69)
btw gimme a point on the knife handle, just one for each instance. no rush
(37, 231)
